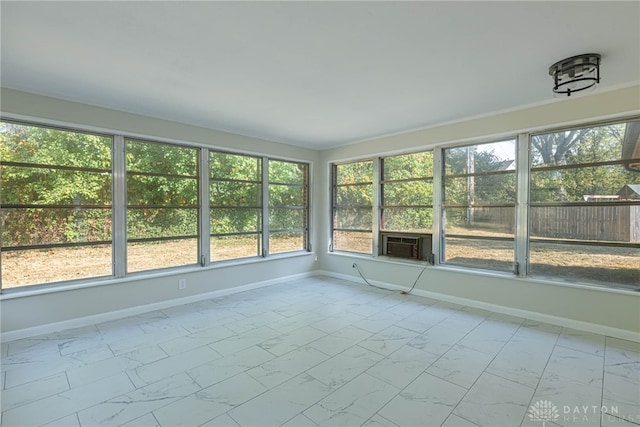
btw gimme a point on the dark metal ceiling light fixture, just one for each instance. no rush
(575, 74)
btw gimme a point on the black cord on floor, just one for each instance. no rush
(386, 289)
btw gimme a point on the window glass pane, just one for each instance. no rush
(480, 253)
(235, 206)
(356, 219)
(148, 223)
(234, 247)
(586, 263)
(608, 183)
(287, 219)
(353, 241)
(353, 173)
(480, 190)
(578, 146)
(161, 191)
(473, 159)
(287, 172)
(598, 223)
(284, 195)
(286, 242)
(236, 220)
(154, 255)
(352, 206)
(416, 165)
(158, 158)
(408, 193)
(288, 206)
(234, 167)
(480, 221)
(162, 205)
(354, 195)
(235, 193)
(477, 233)
(54, 147)
(415, 220)
(46, 226)
(55, 205)
(585, 204)
(42, 266)
(43, 186)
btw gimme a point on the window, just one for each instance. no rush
(407, 193)
(55, 205)
(235, 199)
(79, 205)
(288, 206)
(479, 198)
(352, 207)
(162, 205)
(585, 204)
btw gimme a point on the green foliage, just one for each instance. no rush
(354, 173)
(36, 226)
(578, 148)
(157, 158)
(236, 194)
(353, 195)
(161, 183)
(144, 223)
(407, 192)
(161, 191)
(47, 185)
(235, 167)
(46, 146)
(476, 178)
(408, 166)
(495, 164)
(281, 172)
(288, 193)
(353, 218)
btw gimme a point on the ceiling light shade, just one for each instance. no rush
(575, 74)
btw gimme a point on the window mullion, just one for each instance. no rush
(522, 205)
(265, 206)
(438, 211)
(376, 207)
(204, 196)
(333, 173)
(119, 208)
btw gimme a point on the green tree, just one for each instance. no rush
(561, 164)
(53, 183)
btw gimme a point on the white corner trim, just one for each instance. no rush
(134, 311)
(531, 315)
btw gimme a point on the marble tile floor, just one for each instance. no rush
(321, 352)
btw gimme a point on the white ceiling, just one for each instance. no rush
(314, 74)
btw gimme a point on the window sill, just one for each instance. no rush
(491, 273)
(34, 290)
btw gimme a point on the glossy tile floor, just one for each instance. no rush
(321, 351)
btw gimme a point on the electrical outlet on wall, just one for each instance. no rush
(182, 283)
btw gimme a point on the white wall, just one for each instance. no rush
(608, 311)
(19, 313)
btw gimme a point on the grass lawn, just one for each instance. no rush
(570, 262)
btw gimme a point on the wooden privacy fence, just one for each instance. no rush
(605, 223)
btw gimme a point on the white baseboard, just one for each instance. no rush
(531, 315)
(134, 311)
